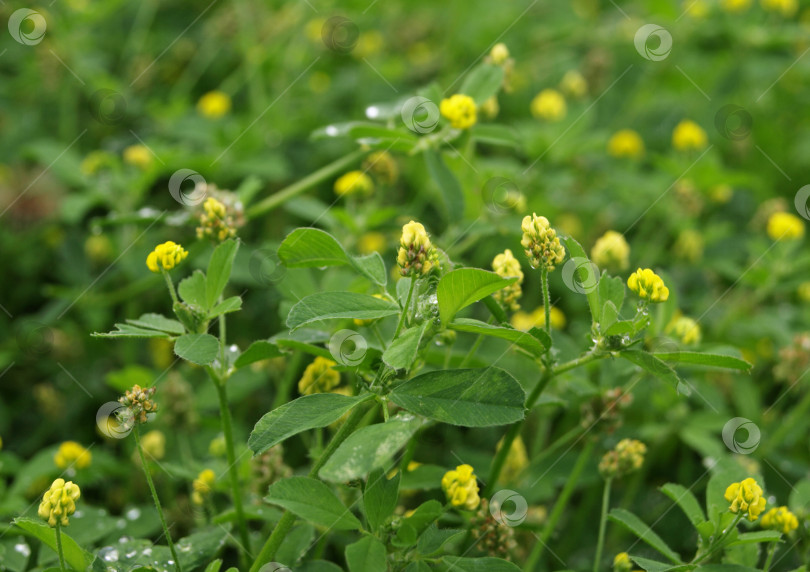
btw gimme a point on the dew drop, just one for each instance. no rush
(133, 513)
(120, 523)
(331, 130)
(108, 554)
(23, 549)
(372, 112)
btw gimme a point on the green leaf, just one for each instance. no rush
(257, 351)
(611, 289)
(130, 331)
(402, 351)
(482, 82)
(201, 349)
(75, 555)
(310, 248)
(200, 547)
(699, 358)
(536, 345)
(726, 568)
(366, 555)
(313, 501)
(799, 500)
(756, 537)
(486, 564)
(411, 527)
(232, 304)
(307, 412)
(447, 182)
(584, 269)
(214, 565)
(655, 366)
(369, 448)
(219, 271)
(651, 565)
(295, 545)
(339, 305)
(432, 540)
(158, 322)
(316, 566)
(609, 317)
(372, 267)
(684, 498)
(380, 497)
(467, 397)
(635, 525)
(192, 289)
(459, 288)
(494, 134)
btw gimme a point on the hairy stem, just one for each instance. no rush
(59, 550)
(600, 543)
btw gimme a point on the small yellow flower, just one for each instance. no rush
(499, 53)
(780, 519)
(461, 487)
(319, 377)
(371, 242)
(416, 253)
(460, 110)
(549, 104)
(354, 183)
(516, 461)
(625, 458)
(165, 256)
(621, 563)
(688, 136)
(735, 5)
(537, 319)
(202, 486)
(217, 447)
(648, 285)
(71, 453)
(383, 166)
(626, 143)
(59, 502)
(506, 265)
(804, 291)
(786, 7)
(685, 329)
(139, 156)
(573, 84)
(785, 226)
(215, 221)
(154, 445)
(721, 193)
(689, 245)
(490, 108)
(611, 251)
(746, 497)
(214, 104)
(697, 9)
(95, 161)
(540, 242)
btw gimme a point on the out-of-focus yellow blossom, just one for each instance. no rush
(359, 322)
(625, 458)
(721, 193)
(368, 44)
(689, 245)
(139, 156)
(537, 319)
(319, 377)
(94, 161)
(416, 255)
(165, 256)
(611, 251)
(735, 5)
(154, 445)
(648, 285)
(621, 562)
(215, 222)
(516, 461)
(214, 104)
(569, 224)
(688, 136)
(371, 242)
(314, 29)
(804, 291)
(573, 84)
(549, 104)
(354, 183)
(71, 453)
(1, 443)
(540, 242)
(697, 9)
(785, 226)
(490, 108)
(59, 502)
(746, 497)
(319, 82)
(785, 7)
(217, 446)
(626, 143)
(202, 486)
(98, 248)
(780, 519)
(506, 265)
(499, 53)
(685, 329)
(461, 487)
(460, 110)
(383, 166)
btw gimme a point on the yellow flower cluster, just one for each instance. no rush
(214, 104)
(574, 84)
(611, 251)
(154, 445)
(746, 497)
(138, 156)
(689, 245)
(165, 256)
(383, 166)
(215, 222)
(625, 458)
(785, 226)
(507, 266)
(685, 329)
(71, 453)
(689, 136)
(626, 143)
(537, 319)
(461, 487)
(319, 377)
(621, 562)
(780, 519)
(540, 242)
(735, 5)
(139, 404)
(460, 110)
(202, 486)
(516, 460)
(354, 183)
(499, 54)
(372, 241)
(549, 104)
(648, 285)
(785, 7)
(59, 502)
(416, 254)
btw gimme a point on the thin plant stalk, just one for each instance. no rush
(405, 308)
(59, 549)
(600, 544)
(769, 559)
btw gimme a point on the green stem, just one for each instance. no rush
(575, 363)
(155, 498)
(279, 197)
(169, 284)
(405, 308)
(222, 333)
(771, 552)
(290, 373)
(227, 430)
(559, 508)
(718, 541)
(59, 550)
(600, 544)
(796, 415)
(546, 298)
(286, 521)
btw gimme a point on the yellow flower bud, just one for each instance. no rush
(648, 285)
(499, 53)
(688, 136)
(460, 110)
(416, 254)
(214, 104)
(611, 251)
(735, 5)
(354, 183)
(461, 487)
(540, 242)
(319, 377)
(216, 222)
(202, 486)
(59, 502)
(780, 519)
(139, 156)
(549, 104)
(626, 143)
(746, 497)
(685, 329)
(621, 563)
(573, 84)
(785, 226)
(506, 265)
(516, 460)
(625, 458)
(383, 166)
(165, 256)
(71, 453)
